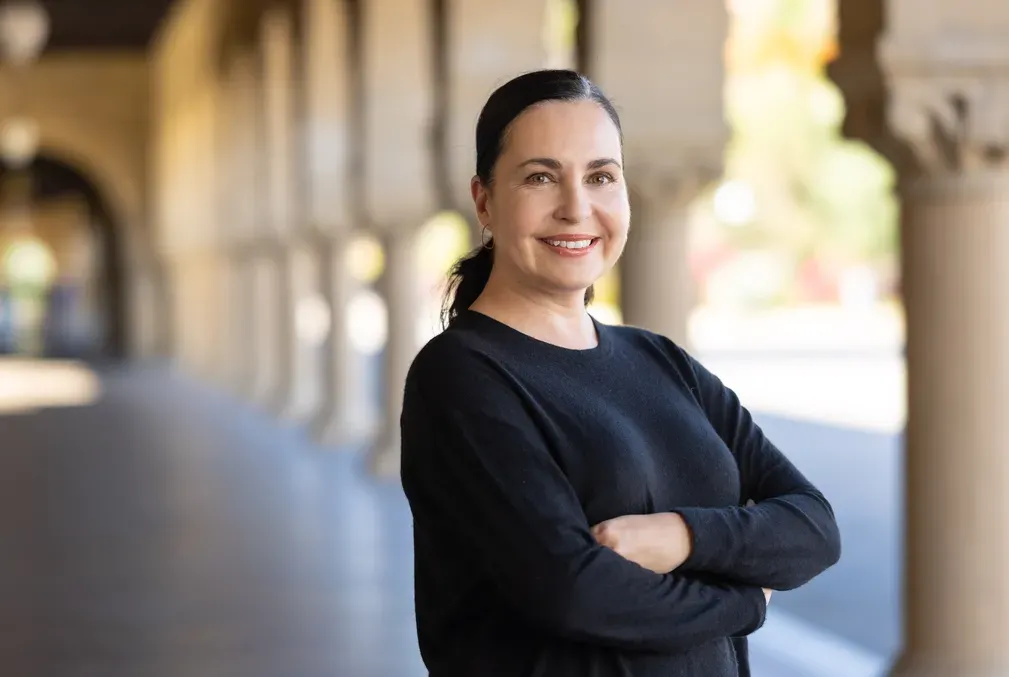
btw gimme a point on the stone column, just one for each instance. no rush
(293, 398)
(228, 290)
(401, 291)
(146, 315)
(949, 106)
(397, 77)
(333, 209)
(297, 263)
(666, 163)
(341, 420)
(238, 336)
(264, 274)
(956, 294)
(246, 204)
(229, 232)
(656, 289)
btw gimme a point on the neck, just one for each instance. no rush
(558, 318)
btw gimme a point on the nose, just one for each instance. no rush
(575, 203)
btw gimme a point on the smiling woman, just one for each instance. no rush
(587, 499)
(526, 198)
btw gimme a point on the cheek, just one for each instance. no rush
(615, 218)
(525, 216)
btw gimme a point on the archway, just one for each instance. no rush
(84, 303)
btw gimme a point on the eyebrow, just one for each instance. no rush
(556, 165)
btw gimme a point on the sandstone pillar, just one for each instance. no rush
(949, 107)
(398, 198)
(283, 79)
(656, 289)
(264, 338)
(246, 204)
(956, 294)
(333, 208)
(296, 398)
(230, 137)
(341, 420)
(146, 309)
(240, 324)
(400, 289)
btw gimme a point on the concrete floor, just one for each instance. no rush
(167, 531)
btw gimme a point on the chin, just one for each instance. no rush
(570, 286)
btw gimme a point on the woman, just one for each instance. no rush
(582, 493)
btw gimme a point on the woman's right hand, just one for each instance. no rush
(767, 594)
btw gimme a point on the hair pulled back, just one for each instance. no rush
(469, 275)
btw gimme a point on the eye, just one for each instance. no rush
(539, 178)
(602, 178)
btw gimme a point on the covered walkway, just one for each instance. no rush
(229, 204)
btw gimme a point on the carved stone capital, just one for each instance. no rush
(949, 101)
(673, 186)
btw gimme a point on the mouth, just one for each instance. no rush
(572, 246)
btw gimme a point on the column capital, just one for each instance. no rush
(925, 84)
(949, 100)
(671, 186)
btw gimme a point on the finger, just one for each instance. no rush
(607, 538)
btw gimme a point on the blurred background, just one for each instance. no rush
(224, 231)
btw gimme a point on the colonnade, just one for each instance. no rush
(330, 119)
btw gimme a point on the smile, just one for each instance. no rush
(572, 247)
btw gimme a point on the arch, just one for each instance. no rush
(115, 179)
(52, 177)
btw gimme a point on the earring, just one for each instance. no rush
(487, 238)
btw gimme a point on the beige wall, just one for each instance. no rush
(93, 114)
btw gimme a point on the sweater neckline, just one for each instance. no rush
(602, 347)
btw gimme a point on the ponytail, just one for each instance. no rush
(466, 281)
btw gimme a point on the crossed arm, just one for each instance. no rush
(473, 459)
(783, 540)
(474, 463)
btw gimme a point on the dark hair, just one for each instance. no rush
(469, 275)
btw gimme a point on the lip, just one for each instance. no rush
(570, 238)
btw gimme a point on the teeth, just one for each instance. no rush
(566, 244)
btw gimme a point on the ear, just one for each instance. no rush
(481, 196)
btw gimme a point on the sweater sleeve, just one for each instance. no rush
(788, 536)
(475, 463)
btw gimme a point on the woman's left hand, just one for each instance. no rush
(659, 542)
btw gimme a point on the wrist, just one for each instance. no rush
(705, 536)
(676, 539)
(688, 534)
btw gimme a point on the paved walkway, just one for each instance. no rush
(165, 531)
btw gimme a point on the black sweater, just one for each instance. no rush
(513, 448)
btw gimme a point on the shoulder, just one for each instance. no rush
(449, 350)
(629, 338)
(663, 352)
(457, 363)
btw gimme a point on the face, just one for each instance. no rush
(557, 206)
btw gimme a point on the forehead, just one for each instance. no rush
(563, 130)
